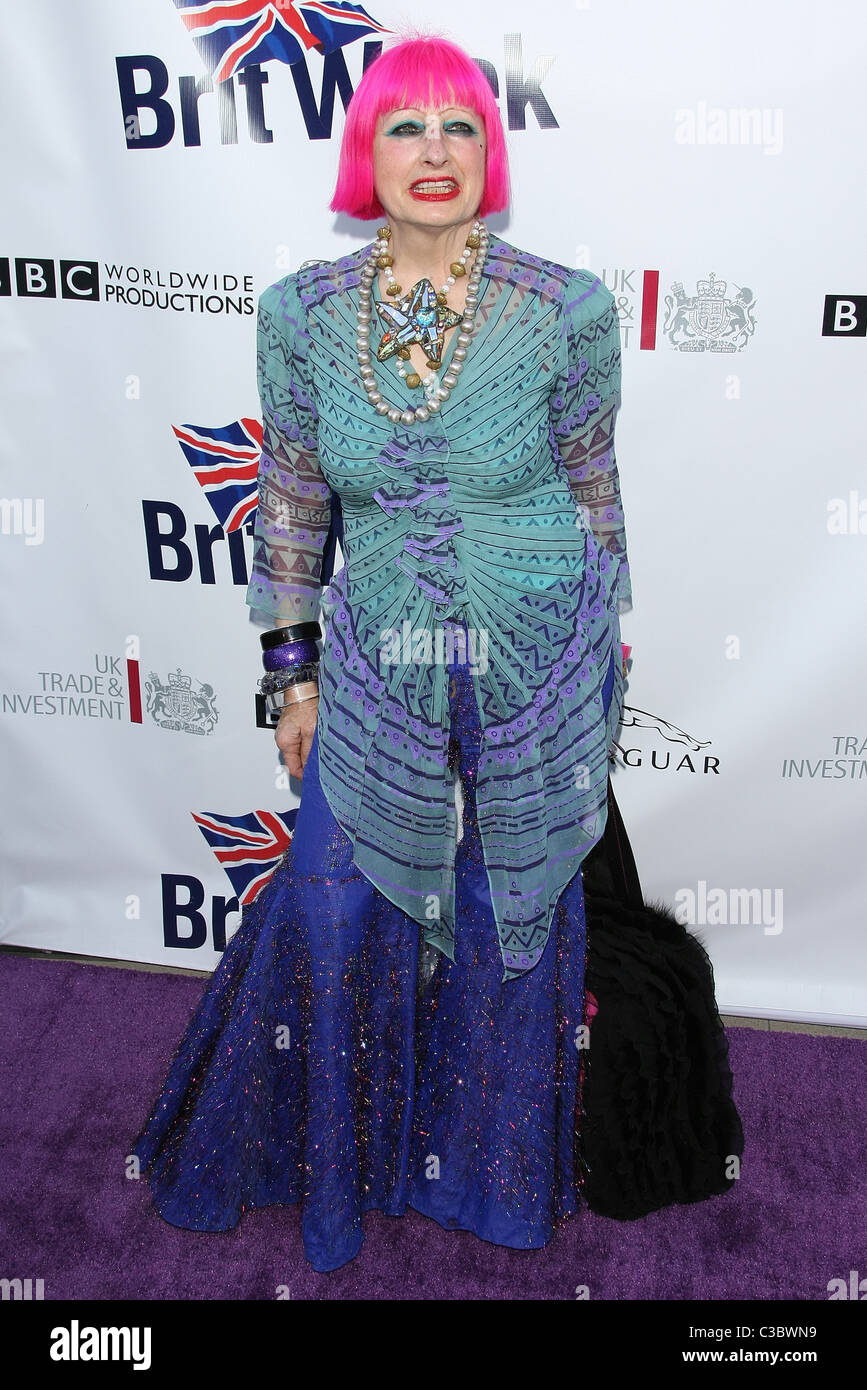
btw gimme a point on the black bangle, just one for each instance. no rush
(296, 632)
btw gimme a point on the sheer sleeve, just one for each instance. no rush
(584, 403)
(294, 508)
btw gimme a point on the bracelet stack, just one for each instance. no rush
(291, 660)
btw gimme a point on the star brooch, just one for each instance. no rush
(417, 318)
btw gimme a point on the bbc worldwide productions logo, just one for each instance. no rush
(36, 277)
(213, 292)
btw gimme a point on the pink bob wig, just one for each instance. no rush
(425, 71)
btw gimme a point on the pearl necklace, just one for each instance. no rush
(384, 262)
(436, 392)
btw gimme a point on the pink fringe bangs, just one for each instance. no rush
(418, 72)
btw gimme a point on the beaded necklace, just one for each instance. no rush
(421, 316)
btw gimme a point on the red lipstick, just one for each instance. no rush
(434, 190)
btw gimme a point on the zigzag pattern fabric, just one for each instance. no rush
(503, 510)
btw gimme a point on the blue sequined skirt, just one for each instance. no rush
(336, 1060)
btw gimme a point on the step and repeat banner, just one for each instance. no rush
(165, 162)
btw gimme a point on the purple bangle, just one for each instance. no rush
(289, 654)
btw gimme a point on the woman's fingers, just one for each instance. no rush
(294, 736)
(289, 744)
(306, 745)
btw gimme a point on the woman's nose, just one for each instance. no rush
(435, 150)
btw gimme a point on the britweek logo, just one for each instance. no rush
(235, 106)
(224, 460)
(233, 33)
(248, 847)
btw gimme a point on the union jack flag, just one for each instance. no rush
(248, 847)
(230, 34)
(225, 461)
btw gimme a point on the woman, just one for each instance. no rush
(402, 1017)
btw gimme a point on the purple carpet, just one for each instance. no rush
(85, 1049)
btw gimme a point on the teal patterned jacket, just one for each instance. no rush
(504, 510)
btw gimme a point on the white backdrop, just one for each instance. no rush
(665, 146)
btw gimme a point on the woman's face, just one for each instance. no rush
(429, 164)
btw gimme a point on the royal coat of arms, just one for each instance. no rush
(708, 321)
(178, 705)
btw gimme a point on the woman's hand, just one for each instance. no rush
(294, 734)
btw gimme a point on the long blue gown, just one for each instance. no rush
(336, 1060)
